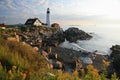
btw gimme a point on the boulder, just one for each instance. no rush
(78, 64)
(98, 62)
(67, 57)
(55, 39)
(115, 51)
(52, 56)
(115, 57)
(74, 34)
(86, 60)
(42, 37)
(36, 48)
(50, 66)
(55, 64)
(45, 54)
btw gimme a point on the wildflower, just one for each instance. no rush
(10, 74)
(90, 67)
(23, 75)
(75, 73)
(95, 72)
(82, 71)
(14, 67)
(106, 63)
(0, 66)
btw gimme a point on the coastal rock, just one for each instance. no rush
(67, 57)
(78, 64)
(42, 36)
(98, 62)
(86, 60)
(36, 48)
(55, 64)
(52, 56)
(45, 54)
(56, 39)
(115, 51)
(31, 37)
(74, 34)
(115, 57)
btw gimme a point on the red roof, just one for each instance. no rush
(55, 25)
(2, 25)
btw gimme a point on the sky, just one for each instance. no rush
(64, 12)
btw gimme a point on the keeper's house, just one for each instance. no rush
(33, 22)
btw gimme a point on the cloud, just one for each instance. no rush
(89, 10)
(7, 4)
(23, 5)
(33, 7)
(22, 9)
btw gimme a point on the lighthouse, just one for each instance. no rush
(48, 17)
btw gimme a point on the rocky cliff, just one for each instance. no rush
(45, 38)
(115, 58)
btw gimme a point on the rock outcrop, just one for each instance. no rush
(86, 60)
(115, 58)
(42, 36)
(115, 51)
(55, 39)
(73, 58)
(45, 36)
(74, 34)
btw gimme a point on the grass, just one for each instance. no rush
(24, 57)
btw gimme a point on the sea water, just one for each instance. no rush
(104, 37)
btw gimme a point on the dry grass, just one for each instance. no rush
(22, 56)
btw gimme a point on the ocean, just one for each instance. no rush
(104, 37)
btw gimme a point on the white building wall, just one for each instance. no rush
(37, 23)
(2, 27)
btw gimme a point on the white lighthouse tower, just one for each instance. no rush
(48, 17)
